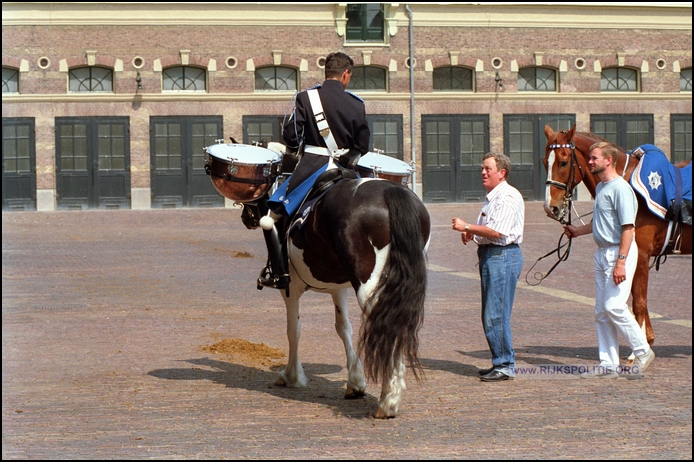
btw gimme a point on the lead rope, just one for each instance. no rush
(539, 277)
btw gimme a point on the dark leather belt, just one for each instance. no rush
(493, 246)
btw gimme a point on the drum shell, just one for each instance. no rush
(248, 182)
(373, 165)
(399, 178)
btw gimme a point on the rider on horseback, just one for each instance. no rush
(344, 138)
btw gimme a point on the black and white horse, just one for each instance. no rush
(370, 236)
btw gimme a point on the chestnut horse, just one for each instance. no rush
(566, 161)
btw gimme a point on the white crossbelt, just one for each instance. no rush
(321, 151)
(322, 123)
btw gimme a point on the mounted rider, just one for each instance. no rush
(343, 135)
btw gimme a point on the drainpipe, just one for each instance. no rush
(414, 163)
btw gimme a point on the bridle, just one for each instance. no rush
(568, 188)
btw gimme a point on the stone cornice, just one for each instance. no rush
(366, 96)
(669, 16)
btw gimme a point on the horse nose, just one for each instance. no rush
(552, 212)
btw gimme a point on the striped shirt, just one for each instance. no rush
(503, 212)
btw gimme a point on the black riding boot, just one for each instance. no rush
(275, 274)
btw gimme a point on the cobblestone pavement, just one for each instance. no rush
(105, 315)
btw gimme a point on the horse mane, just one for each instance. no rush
(597, 138)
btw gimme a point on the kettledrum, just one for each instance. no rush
(241, 172)
(374, 165)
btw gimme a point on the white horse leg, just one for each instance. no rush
(391, 392)
(356, 383)
(293, 375)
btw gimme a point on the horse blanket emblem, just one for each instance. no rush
(654, 180)
(661, 184)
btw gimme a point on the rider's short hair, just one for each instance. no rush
(607, 149)
(336, 64)
(503, 162)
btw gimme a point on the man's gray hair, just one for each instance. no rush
(503, 162)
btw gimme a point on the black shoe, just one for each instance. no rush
(495, 376)
(485, 371)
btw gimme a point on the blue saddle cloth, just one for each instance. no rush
(659, 182)
(286, 204)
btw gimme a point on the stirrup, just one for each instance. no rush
(268, 279)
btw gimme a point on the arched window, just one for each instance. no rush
(91, 80)
(537, 79)
(368, 78)
(10, 80)
(184, 78)
(619, 79)
(453, 78)
(685, 79)
(276, 78)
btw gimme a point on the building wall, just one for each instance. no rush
(254, 35)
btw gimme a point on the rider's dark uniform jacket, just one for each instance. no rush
(346, 117)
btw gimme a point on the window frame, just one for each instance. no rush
(686, 80)
(605, 83)
(296, 72)
(534, 84)
(185, 89)
(380, 69)
(372, 119)
(676, 138)
(451, 79)
(13, 78)
(72, 77)
(366, 34)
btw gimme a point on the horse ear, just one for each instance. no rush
(549, 132)
(571, 132)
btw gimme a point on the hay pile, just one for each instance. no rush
(256, 354)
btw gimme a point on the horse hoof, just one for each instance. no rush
(381, 414)
(354, 394)
(280, 382)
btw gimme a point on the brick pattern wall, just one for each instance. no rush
(212, 46)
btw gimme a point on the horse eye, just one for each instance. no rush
(563, 163)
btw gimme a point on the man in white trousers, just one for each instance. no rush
(614, 215)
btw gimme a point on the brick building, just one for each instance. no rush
(108, 105)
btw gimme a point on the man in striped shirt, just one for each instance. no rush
(497, 233)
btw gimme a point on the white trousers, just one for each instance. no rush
(612, 314)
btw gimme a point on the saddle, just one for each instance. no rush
(324, 183)
(667, 189)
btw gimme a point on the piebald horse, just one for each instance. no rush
(370, 236)
(566, 161)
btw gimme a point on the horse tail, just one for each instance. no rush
(390, 329)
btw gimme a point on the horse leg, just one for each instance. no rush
(391, 392)
(639, 299)
(293, 375)
(356, 383)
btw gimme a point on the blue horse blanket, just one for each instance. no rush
(660, 183)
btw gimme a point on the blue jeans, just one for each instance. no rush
(500, 268)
